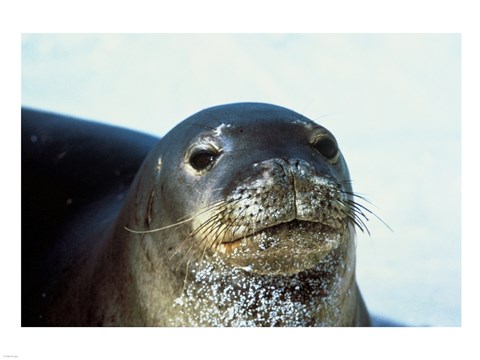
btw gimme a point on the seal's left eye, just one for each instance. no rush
(327, 147)
(202, 159)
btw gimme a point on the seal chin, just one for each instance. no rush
(284, 249)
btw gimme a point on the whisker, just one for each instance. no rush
(358, 222)
(204, 209)
(194, 233)
(211, 225)
(362, 197)
(358, 205)
(181, 221)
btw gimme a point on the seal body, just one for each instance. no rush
(242, 215)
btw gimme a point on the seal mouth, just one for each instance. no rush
(285, 248)
(267, 235)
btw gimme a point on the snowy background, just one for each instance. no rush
(392, 101)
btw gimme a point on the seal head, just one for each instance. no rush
(249, 197)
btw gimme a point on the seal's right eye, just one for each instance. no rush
(202, 159)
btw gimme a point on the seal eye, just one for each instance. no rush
(327, 147)
(202, 159)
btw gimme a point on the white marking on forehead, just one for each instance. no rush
(298, 121)
(218, 130)
(308, 125)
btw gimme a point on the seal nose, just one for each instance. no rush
(299, 167)
(300, 176)
(307, 185)
(300, 171)
(277, 191)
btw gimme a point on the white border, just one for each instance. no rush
(227, 16)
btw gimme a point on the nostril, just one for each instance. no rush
(298, 163)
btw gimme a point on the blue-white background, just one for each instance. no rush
(392, 101)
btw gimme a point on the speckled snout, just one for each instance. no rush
(276, 191)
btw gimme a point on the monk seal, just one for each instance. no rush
(242, 215)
